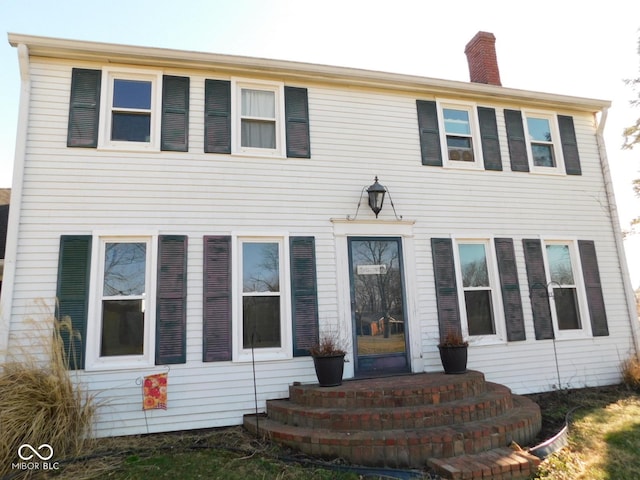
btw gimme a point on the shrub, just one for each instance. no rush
(40, 404)
(631, 373)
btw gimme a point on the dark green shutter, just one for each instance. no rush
(74, 264)
(175, 114)
(171, 300)
(538, 292)
(429, 133)
(217, 116)
(216, 325)
(510, 286)
(84, 108)
(569, 145)
(516, 141)
(446, 288)
(304, 296)
(489, 137)
(593, 288)
(296, 107)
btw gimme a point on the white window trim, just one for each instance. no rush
(474, 125)
(578, 278)
(237, 84)
(94, 361)
(285, 351)
(555, 137)
(496, 294)
(109, 74)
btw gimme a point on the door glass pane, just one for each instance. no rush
(473, 263)
(377, 297)
(124, 269)
(567, 308)
(261, 321)
(122, 328)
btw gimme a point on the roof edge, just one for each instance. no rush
(152, 56)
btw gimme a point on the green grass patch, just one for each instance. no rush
(604, 437)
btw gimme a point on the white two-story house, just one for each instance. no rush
(208, 215)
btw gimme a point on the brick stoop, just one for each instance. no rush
(496, 464)
(433, 420)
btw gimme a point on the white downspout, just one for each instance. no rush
(615, 222)
(15, 206)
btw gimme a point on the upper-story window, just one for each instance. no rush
(131, 110)
(259, 118)
(461, 144)
(541, 141)
(128, 109)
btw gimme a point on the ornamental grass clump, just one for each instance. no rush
(631, 373)
(39, 404)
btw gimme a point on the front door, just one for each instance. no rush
(377, 306)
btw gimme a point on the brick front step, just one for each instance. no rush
(405, 447)
(401, 391)
(496, 400)
(459, 425)
(496, 464)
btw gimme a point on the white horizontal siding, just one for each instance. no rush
(355, 135)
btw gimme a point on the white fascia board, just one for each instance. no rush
(292, 71)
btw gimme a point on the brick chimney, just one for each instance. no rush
(481, 56)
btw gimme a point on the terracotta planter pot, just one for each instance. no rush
(329, 369)
(453, 358)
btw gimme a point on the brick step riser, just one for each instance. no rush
(401, 450)
(400, 418)
(345, 397)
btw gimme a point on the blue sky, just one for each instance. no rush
(562, 47)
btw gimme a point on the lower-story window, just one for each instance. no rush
(264, 326)
(477, 286)
(120, 332)
(563, 288)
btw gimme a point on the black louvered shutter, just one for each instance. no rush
(216, 325)
(296, 107)
(175, 114)
(516, 141)
(74, 264)
(489, 138)
(510, 286)
(429, 133)
(446, 288)
(217, 116)
(569, 145)
(304, 294)
(538, 293)
(593, 288)
(84, 108)
(171, 300)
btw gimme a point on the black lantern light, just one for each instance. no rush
(376, 194)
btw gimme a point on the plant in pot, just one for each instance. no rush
(453, 352)
(328, 359)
